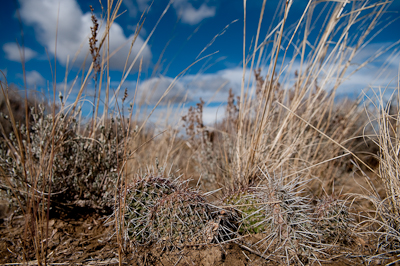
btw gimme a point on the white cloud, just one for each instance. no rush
(172, 116)
(208, 86)
(215, 87)
(74, 30)
(381, 72)
(189, 88)
(213, 114)
(34, 78)
(152, 89)
(191, 15)
(12, 52)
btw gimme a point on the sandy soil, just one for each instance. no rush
(87, 241)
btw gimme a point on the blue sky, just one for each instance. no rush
(185, 30)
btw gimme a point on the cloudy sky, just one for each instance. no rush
(174, 35)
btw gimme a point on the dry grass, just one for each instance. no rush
(276, 159)
(383, 221)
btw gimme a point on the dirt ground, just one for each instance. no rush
(87, 241)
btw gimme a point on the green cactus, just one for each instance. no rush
(281, 214)
(250, 208)
(158, 210)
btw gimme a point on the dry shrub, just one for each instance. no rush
(60, 166)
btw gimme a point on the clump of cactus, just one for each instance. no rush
(290, 227)
(53, 159)
(156, 210)
(140, 199)
(184, 217)
(281, 215)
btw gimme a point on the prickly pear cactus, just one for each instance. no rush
(183, 217)
(140, 200)
(158, 210)
(280, 213)
(249, 206)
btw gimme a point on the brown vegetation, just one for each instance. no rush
(272, 183)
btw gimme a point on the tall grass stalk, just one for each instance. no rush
(271, 136)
